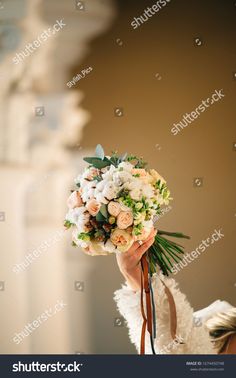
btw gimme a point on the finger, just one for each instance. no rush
(144, 247)
(137, 244)
(152, 234)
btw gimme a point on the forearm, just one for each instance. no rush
(133, 278)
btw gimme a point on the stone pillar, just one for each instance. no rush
(42, 122)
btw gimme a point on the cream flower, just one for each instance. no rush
(121, 239)
(114, 208)
(139, 217)
(145, 232)
(93, 207)
(124, 219)
(94, 249)
(156, 176)
(74, 200)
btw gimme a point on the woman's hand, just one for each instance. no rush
(129, 262)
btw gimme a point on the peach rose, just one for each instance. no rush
(143, 174)
(139, 171)
(92, 172)
(93, 207)
(121, 239)
(124, 219)
(74, 200)
(114, 208)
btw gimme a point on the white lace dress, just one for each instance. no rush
(190, 326)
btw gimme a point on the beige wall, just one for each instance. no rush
(125, 75)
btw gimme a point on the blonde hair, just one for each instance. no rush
(221, 327)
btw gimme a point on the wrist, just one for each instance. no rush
(133, 278)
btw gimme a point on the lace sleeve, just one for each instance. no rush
(194, 336)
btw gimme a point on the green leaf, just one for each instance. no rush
(84, 236)
(100, 217)
(173, 234)
(67, 224)
(97, 162)
(103, 211)
(99, 152)
(114, 160)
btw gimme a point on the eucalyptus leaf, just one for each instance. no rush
(97, 162)
(123, 157)
(100, 152)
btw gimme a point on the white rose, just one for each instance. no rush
(73, 215)
(148, 191)
(133, 184)
(100, 198)
(121, 177)
(109, 191)
(100, 186)
(126, 166)
(136, 194)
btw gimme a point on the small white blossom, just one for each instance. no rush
(126, 166)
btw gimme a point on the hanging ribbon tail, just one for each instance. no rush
(147, 321)
(142, 343)
(149, 317)
(173, 315)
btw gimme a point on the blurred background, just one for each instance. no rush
(95, 79)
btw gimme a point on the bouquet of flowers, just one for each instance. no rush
(116, 202)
